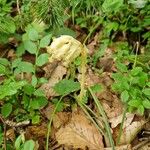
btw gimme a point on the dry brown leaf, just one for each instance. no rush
(56, 76)
(80, 133)
(117, 120)
(130, 129)
(122, 147)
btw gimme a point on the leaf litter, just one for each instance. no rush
(72, 129)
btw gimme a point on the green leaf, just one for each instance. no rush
(4, 61)
(39, 92)
(134, 103)
(135, 71)
(42, 80)
(29, 145)
(42, 59)
(146, 103)
(35, 119)
(18, 142)
(20, 50)
(24, 66)
(45, 41)
(33, 34)
(97, 88)
(148, 84)
(146, 91)
(28, 89)
(125, 96)
(30, 46)
(2, 69)
(110, 6)
(60, 106)
(122, 67)
(11, 88)
(141, 110)
(65, 87)
(38, 103)
(34, 80)
(6, 109)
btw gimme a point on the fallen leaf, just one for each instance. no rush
(80, 133)
(130, 128)
(121, 147)
(56, 76)
(117, 120)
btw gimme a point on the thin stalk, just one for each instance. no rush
(121, 126)
(89, 116)
(50, 123)
(102, 112)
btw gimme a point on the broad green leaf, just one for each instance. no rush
(20, 50)
(34, 80)
(16, 62)
(97, 88)
(45, 41)
(6, 109)
(135, 103)
(38, 103)
(141, 110)
(18, 142)
(35, 119)
(30, 46)
(135, 71)
(146, 91)
(125, 96)
(39, 92)
(28, 89)
(146, 103)
(33, 34)
(122, 67)
(4, 61)
(42, 80)
(11, 88)
(2, 69)
(112, 5)
(24, 66)
(42, 59)
(29, 145)
(65, 87)
(148, 84)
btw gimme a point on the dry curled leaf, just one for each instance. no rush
(80, 133)
(130, 128)
(56, 76)
(122, 147)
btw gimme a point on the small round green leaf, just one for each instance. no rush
(6, 109)
(124, 96)
(140, 109)
(34, 80)
(146, 103)
(134, 103)
(29, 145)
(42, 59)
(30, 47)
(45, 41)
(33, 34)
(146, 91)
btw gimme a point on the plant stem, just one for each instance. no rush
(50, 123)
(102, 112)
(121, 126)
